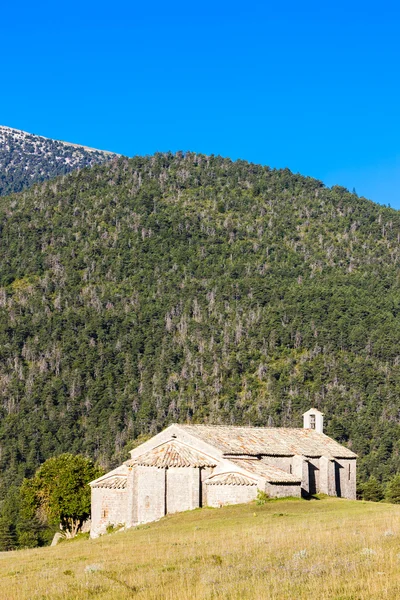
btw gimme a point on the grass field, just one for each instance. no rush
(286, 549)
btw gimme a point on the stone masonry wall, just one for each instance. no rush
(179, 488)
(149, 494)
(282, 462)
(220, 495)
(313, 475)
(327, 478)
(282, 490)
(108, 508)
(204, 474)
(345, 471)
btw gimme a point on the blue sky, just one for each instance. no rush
(313, 86)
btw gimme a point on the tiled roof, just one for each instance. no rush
(275, 441)
(172, 454)
(115, 480)
(260, 468)
(112, 483)
(230, 479)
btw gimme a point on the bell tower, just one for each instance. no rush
(313, 419)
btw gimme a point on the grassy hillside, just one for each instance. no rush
(291, 549)
(194, 289)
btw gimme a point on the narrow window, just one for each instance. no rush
(290, 469)
(104, 513)
(349, 471)
(312, 421)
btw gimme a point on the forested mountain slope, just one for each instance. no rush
(194, 289)
(26, 159)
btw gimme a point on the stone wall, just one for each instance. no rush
(220, 495)
(108, 508)
(300, 469)
(307, 469)
(195, 488)
(204, 474)
(345, 475)
(179, 489)
(149, 494)
(155, 492)
(282, 462)
(335, 477)
(313, 475)
(131, 498)
(327, 476)
(282, 490)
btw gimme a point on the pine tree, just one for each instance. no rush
(372, 490)
(393, 490)
(8, 538)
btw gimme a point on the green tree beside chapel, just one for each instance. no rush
(58, 496)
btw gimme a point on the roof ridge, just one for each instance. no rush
(172, 453)
(238, 426)
(285, 441)
(119, 471)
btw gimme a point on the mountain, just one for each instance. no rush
(192, 288)
(26, 159)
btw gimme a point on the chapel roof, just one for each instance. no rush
(260, 468)
(115, 480)
(273, 441)
(255, 469)
(231, 478)
(172, 454)
(112, 483)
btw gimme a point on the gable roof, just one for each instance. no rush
(116, 479)
(312, 411)
(112, 483)
(172, 454)
(231, 478)
(273, 441)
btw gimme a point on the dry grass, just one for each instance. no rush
(288, 549)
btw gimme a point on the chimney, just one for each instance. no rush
(313, 419)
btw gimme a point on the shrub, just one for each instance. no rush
(262, 498)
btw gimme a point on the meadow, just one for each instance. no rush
(285, 549)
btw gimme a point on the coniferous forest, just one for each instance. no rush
(192, 288)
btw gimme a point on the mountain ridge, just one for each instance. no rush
(27, 158)
(27, 133)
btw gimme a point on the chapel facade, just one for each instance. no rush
(189, 466)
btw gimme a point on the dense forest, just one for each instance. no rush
(26, 159)
(192, 288)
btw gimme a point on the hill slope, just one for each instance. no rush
(286, 549)
(193, 288)
(26, 159)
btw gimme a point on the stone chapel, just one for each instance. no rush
(189, 466)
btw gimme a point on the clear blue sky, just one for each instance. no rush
(313, 86)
